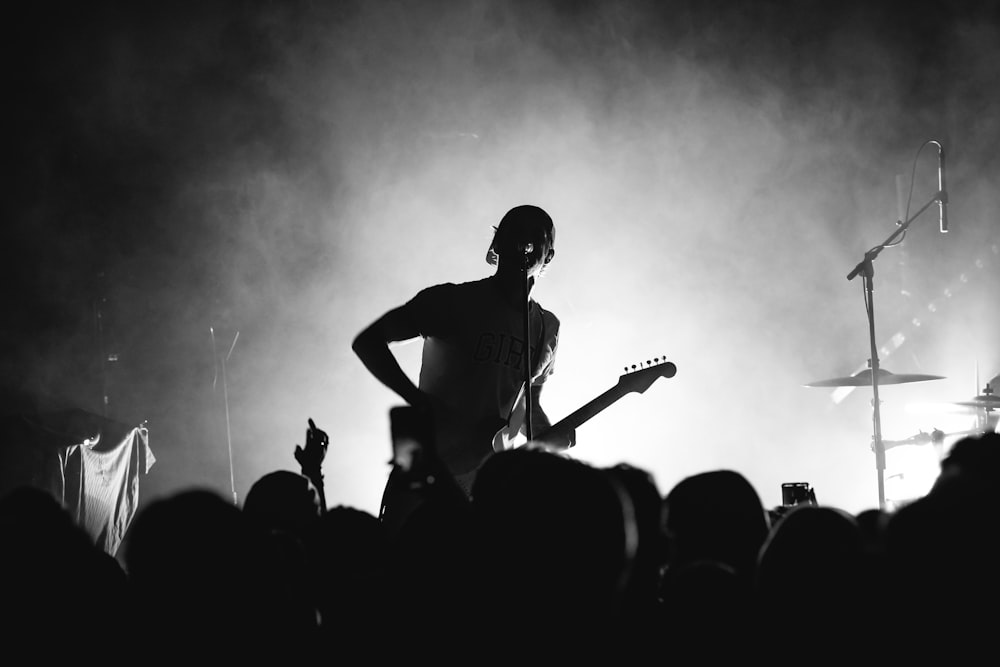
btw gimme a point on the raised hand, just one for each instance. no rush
(311, 456)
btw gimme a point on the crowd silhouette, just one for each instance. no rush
(550, 557)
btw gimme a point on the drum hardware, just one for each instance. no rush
(935, 437)
(864, 379)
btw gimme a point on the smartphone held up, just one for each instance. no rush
(412, 438)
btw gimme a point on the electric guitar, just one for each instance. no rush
(464, 446)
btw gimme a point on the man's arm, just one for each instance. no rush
(540, 425)
(372, 347)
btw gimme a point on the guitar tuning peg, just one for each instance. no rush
(648, 362)
(633, 366)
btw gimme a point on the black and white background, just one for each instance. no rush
(180, 175)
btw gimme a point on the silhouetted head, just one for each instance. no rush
(556, 525)
(285, 501)
(942, 547)
(522, 226)
(46, 560)
(715, 515)
(810, 547)
(971, 466)
(200, 569)
(814, 571)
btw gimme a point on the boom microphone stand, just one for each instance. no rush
(866, 266)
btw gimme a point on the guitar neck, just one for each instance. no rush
(578, 417)
(637, 381)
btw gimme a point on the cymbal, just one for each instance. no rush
(988, 401)
(864, 379)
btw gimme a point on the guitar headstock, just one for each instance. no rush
(640, 377)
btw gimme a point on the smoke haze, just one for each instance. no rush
(280, 174)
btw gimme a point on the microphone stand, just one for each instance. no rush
(225, 395)
(866, 266)
(527, 344)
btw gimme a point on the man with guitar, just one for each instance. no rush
(473, 371)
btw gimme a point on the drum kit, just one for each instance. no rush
(984, 408)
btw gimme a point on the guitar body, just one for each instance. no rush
(463, 445)
(458, 445)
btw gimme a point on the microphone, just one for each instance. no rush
(943, 194)
(527, 248)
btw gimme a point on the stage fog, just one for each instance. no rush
(234, 193)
